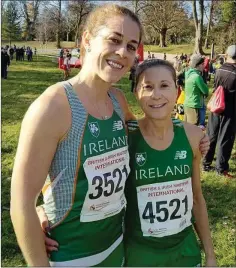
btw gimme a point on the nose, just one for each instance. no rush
(122, 51)
(156, 94)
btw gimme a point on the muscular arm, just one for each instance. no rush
(199, 204)
(39, 136)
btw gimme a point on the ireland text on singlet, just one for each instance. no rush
(92, 223)
(159, 190)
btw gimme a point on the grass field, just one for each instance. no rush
(170, 49)
(26, 82)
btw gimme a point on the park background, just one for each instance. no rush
(171, 27)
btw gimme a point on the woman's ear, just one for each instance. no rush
(86, 36)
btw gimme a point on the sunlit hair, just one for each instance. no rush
(99, 16)
(147, 64)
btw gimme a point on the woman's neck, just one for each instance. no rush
(93, 85)
(157, 129)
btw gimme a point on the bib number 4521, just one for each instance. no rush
(163, 207)
(106, 185)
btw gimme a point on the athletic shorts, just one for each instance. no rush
(187, 254)
(191, 115)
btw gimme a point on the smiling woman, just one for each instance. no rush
(164, 189)
(74, 135)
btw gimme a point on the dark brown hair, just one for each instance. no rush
(98, 17)
(142, 67)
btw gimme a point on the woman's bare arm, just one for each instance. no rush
(41, 129)
(199, 205)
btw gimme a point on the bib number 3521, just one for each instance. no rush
(106, 175)
(106, 185)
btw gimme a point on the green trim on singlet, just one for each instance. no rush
(63, 202)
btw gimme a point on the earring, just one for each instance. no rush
(88, 49)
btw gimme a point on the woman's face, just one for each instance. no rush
(156, 92)
(113, 49)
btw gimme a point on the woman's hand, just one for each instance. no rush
(51, 245)
(204, 145)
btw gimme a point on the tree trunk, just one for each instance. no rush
(163, 37)
(198, 26)
(198, 43)
(58, 35)
(76, 39)
(67, 36)
(209, 25)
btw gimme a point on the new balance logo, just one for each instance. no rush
(180, 155)
(117, 125)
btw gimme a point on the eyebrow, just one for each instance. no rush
(165, 81)
(121, 35)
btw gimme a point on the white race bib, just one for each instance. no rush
(106, 175)
(165, 208)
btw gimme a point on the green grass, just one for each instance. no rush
(170, 49)
(38, 45)
(26, 81)
(175, 49)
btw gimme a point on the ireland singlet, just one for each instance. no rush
(84, 192)
(159, 196)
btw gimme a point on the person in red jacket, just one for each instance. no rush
(206, 69)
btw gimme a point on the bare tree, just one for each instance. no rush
(79, 10)
(46, 26)
(198, 25)
(209, 23)
(30, 12)
(163, 16)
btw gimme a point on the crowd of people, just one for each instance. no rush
(194, 73)
(114, 196)
(8, 53)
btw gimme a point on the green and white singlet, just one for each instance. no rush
(84, 192)
(158, 230)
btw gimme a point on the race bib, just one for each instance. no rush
(165, 208)
(106, 175)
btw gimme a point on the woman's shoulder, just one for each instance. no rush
(194, 135)
(50, 107)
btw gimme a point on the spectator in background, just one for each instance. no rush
(221, 128)
(67, 66)
(31, 54)
(5, 62)
(22, 54)
(17, 53)
(164, 56)
(132, 72)
(28, 53)
(61, 53)
(195, 91)
(153, 56)
(219, 63)
(35, 51)
(11, 52)
(206, 69)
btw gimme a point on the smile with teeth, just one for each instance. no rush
(158, 106)
(114, 65)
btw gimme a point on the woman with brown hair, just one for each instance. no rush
(74, 134)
